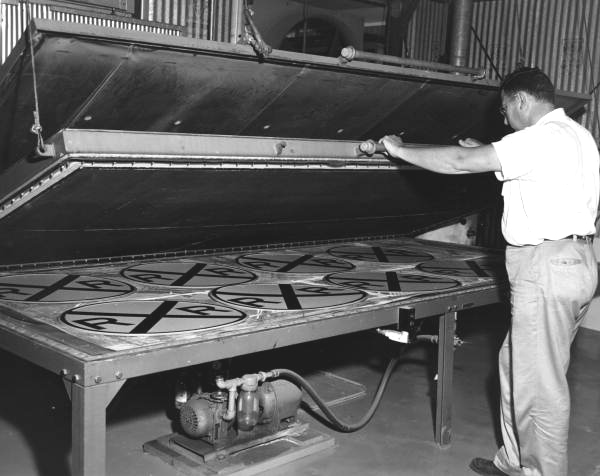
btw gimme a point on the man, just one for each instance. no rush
(550, 172)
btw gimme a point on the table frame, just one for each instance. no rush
(92, 383)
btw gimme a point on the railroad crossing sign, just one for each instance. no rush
(393, 281)
(293, 262)
(286, 297)
(381, 254)
(187, 274)
(60, 287)
(151, 317)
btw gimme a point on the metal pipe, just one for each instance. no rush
(304, 25)
(212, 21)
(462, 17)
(349, 53)
(237, 21)
(388, 23)
(231, 386)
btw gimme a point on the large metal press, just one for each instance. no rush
(192, 201)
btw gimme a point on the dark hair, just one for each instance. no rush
(530, 80)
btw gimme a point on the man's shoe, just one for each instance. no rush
(485, 467)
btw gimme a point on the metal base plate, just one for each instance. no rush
(254, 457)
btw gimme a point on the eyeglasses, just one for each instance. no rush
(506, 101)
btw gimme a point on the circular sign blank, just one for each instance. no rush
(187, 274)
(486, 267)
(381, 254)
(287, 297)
(393, 282)
(60, 287)
(293, 262)
(151, 317)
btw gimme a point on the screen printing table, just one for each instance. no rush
(96, 326)
(157, 145)
(98, 321)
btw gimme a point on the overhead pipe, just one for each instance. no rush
(462, 17)
(349, 53)
(387, 32)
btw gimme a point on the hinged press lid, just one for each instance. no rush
(92, 77)
(189, 167)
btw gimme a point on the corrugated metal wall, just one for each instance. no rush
(562, 37)
(427, 31)
(206, 19)
(164, 11)
(13, 20)
(209, 19)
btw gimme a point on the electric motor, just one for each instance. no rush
(201, 416)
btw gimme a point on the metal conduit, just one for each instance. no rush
(237, 21)
(349, 53)
(462, 16)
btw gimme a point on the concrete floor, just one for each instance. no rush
(35, 412)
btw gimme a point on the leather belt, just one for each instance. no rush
(586, 238)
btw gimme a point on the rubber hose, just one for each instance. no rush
(337, 422)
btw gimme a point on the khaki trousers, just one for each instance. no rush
(551, 287)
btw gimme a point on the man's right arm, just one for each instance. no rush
(462, 159)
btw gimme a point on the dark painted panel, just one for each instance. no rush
(123, 83)
(109, 212)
